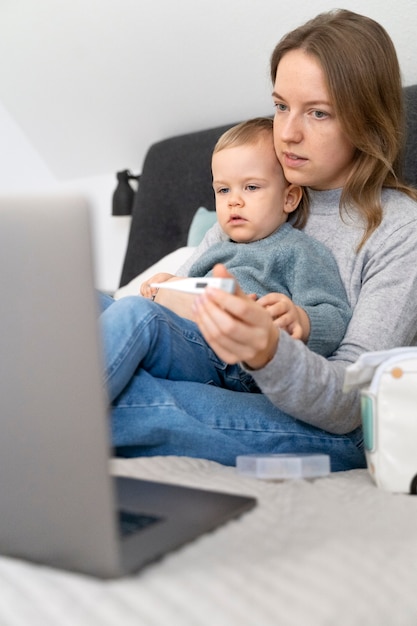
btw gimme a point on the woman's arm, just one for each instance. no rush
(300, 382)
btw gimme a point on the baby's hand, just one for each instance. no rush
(287, 315)
(149, 292)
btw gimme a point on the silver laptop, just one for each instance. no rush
(59, 504)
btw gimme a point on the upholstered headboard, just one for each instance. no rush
(176, 181)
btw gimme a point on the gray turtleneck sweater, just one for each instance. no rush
(381, 285)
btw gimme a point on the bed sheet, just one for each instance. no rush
(335, 550)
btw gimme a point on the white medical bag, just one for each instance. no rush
(388, 385)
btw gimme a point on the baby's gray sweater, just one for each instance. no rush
(296, 265)
(381, 286)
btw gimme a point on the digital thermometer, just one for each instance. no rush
(197, 285)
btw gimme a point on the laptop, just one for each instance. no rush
(59, 504)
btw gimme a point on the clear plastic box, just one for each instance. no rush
(283, 466)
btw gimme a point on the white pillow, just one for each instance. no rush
(169, 263)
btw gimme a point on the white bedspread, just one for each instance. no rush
(337, 551)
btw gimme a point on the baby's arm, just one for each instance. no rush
(179, 303)
(149, 292)
(287, 315)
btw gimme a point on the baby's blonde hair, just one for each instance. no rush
(244, 133)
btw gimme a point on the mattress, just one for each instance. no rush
(335, 550)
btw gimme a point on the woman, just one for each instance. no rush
(338, 130)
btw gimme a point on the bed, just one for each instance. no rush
(336, 550)
(318, 552)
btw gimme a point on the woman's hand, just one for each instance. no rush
(236, 327)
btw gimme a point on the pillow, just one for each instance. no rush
(169, 263)
(202, 221)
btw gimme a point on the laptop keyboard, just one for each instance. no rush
(130, 523)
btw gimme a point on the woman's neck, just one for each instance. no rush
(324, 202)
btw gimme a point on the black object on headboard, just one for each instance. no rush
(176, 181)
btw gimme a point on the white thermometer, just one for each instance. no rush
(197, 285)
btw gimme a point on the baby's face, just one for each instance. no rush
(249, 188)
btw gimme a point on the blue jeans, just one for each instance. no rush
(140, 333)
(155, 416)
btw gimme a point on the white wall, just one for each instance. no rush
(87, 85)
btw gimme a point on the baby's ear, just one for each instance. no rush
(293, 195)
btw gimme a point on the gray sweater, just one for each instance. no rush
(292, 263)
(381, 285)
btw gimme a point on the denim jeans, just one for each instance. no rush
(155, 416)
(140, 333)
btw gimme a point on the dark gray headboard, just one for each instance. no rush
(410, 156)
(176, 180)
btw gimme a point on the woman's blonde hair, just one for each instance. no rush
(361, 69)
(248, 132)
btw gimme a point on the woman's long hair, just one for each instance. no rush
(363, 77)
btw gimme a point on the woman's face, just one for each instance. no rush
(308, 138)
